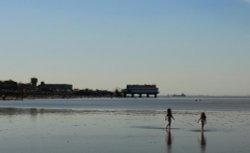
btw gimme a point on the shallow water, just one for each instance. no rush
(189, 103)
(76, 126)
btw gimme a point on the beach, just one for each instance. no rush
(124, 126)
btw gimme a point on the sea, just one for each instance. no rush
(125, 125)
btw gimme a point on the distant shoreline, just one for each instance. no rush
(199, 98)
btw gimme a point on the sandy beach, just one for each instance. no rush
(39, 130)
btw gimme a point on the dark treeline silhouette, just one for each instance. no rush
(96, 93)
(10, 90)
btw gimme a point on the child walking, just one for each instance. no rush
(169, 116)
(203, 120)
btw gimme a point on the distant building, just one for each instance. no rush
(181, 95)
(56, 88)
(33, 82)
(140, 90)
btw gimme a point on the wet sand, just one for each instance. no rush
(25, 130)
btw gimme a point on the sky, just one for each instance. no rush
(196, 47)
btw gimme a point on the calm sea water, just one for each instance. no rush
(124, 126)
(199, 104)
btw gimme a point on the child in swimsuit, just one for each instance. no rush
(203, 120)
(169, 117)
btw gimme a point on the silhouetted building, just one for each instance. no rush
(12, 90)
(33, 82)
(56, 88)
(140, 90)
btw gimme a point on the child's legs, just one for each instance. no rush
(169, 123)
(202, 124)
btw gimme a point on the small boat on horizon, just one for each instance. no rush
(181, 95)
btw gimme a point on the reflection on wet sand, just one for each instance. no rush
(203, 142)
(11, 111)
(30, 111)
(168, 140)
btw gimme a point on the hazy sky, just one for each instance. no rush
(190, 46)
